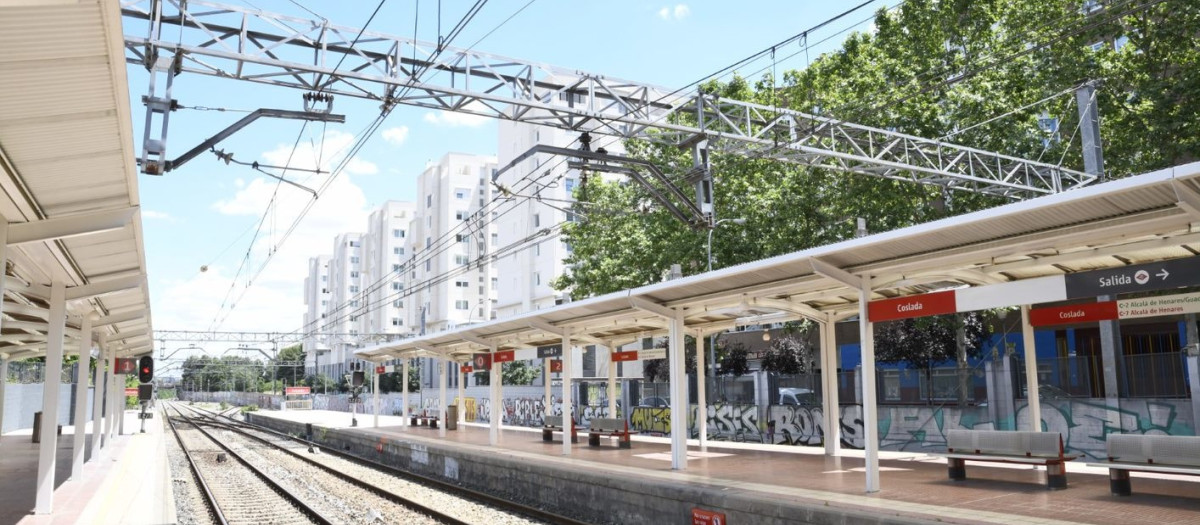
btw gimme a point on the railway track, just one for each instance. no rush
(236, 491)
(334, 475)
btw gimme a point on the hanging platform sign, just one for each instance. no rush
(1075, 313)
(1174, 273)
(555, 365)
(1186, 303)
(653, 353)
(912, 306)
(631, 355)
(506, 356)
(125, 365)
(466, 369)
(297, 390)
(482, 361)
(549, 351)
(380, 369)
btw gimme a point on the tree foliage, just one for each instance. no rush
(791, 353)
(929, 69)
(512, 373)
(925, 341)
(733, 359)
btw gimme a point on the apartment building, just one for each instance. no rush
(316, 300)
(385, 279)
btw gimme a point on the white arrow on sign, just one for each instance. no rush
(1163, 274)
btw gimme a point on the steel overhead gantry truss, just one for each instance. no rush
(196, 336)
(247, 44)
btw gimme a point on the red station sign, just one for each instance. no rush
(506, 356)
(912, 306)
(131, 391)
(482, 361)
(1075, 313)
(296, 390)
(631, 355)
(556, 365)
(380, 369)
(466, 369)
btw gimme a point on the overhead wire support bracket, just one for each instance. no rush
(234, 128)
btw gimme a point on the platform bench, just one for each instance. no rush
(1030, 448)
(552, 424)
(610, 427)
(423, 419)
(1134, 452)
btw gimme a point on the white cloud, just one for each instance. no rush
(274, 301)
(396, 135)
(679, 12)
(157, 215)
(456, 119)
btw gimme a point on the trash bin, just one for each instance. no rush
(37, 427)
(452, 417)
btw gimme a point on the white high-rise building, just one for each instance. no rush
(345, 303)
(385, 252)
(451, 284)
(316, 300)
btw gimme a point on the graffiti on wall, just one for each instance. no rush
(730, 422)
(1084, 423)
(529, 411)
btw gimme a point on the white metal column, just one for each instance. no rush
(829, 384)
(112, 395)
(441, 367)
(701, 395)
(494, 409)
(375, 392)
(870, 410)
(100, 382)
(612, 382)
(568, 358)
(678, 389)
(3, 377)
(548, 410)
(1031, 377)
(462, 393)
(81, 387)
(404, 393)
(48, 449)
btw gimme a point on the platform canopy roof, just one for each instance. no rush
(1149, 217)
(68, 185)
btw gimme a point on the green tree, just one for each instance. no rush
(512, 373)
(289, 364)
(923, 342)
(792, 353)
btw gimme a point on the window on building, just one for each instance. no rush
(537, 220)
(355, 244)
(537, 249)
(324, 303)
(397, 251)
(429, 201)
(397, 286)
(461, 193)
(398, 233)
(462, 305)
(398, 303)
(537, 278)
(460, 215)
(354, 274)
(460, 259)
(461, 284)
(353, 259)
(397, 322)
(495, 282)
(458, 237)
(428, 265)
(353, 289)
(354, 303)
(324, 278)
(569, 184)
(395, 267)
(495, 239)
(428, 242)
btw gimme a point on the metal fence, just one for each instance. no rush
(30, 372)
(1156, 375)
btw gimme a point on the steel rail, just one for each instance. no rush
(489, 499)
(271, 483)
(208, 495)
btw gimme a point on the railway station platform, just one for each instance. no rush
(749, 483)
(129, 483)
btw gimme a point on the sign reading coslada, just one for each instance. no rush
(1186, 303)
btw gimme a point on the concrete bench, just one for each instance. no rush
(552, 424)
(1030, 448)
(1134, 452)
(611, 427)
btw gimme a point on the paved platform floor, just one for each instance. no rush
(129, 483)
(912, 484)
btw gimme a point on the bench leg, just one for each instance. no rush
(957, 468)
(593, 440)
(624, 442)
(1056, 476)
(547, 435)
(432, 423)
(574, 436)
(1118, 482)
(412, 422)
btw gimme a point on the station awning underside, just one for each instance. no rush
(1150, 217)
(67, 171)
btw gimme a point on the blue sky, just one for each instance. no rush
(206, 213)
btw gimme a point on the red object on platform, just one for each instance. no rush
(1075, 313)
(912, 306)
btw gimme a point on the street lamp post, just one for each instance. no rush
(712, 339)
